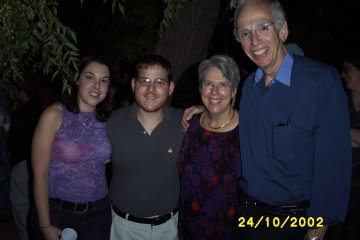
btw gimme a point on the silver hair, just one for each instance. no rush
(276, 9)
(227, 67)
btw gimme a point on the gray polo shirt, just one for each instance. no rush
(145, 179)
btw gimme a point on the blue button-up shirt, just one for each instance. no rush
(295, 138)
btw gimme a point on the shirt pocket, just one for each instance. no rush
(290, 141)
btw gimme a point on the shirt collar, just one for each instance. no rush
(284, 74)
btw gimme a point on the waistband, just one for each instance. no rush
(288, 209)
(77, 207)
(153, 221)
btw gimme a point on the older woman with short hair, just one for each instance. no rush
(209, 161)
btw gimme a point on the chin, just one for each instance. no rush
(151, 108)
(216, 110)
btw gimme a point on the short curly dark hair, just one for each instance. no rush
(152, 60)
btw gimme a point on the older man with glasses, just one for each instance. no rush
(294, 134)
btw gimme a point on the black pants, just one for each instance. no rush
(248, 225)
(93, 224)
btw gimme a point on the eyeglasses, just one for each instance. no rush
(261, 29)
(221, 86)
(158, 82)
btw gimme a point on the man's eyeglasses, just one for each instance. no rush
(221, 86)
(158, 82)
(261, 29)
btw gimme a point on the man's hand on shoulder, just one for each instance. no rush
(189, 113)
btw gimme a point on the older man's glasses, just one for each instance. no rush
(261, 29)
(158, 82)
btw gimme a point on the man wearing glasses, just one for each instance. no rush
(146, 139)
(294, 134)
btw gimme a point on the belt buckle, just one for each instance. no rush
(250, 202)
(155, 221)
(85, 207)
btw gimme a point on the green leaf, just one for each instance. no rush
(73, 36)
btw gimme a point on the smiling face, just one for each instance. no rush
(351, 77)
(93, 83)
(267, 49)
(216, 92)
(152, 98)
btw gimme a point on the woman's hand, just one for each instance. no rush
(51, 233)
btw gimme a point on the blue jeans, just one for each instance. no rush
(93, 224)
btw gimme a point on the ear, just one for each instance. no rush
(284, 32)
(133, 84)
(233, 92)
(76, 79)
(171, 87)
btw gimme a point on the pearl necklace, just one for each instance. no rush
(226, 123)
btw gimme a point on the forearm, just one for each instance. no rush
(41, 197)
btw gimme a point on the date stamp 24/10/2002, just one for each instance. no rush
(276, 222)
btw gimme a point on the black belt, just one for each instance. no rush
(153, 221)
(290, 209)
(77, 207)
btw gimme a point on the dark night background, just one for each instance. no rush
(325, 29)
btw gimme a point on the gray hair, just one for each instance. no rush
(227, 67)
(277, 12)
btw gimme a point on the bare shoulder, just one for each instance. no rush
(52, 116)
(53, 111)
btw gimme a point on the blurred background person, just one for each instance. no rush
(350, 229)
(23, 123)
(5, 116)
(209, 161)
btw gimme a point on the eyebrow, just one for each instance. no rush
(89, 72)
(256, 24)
(154, 78)
(219, 81)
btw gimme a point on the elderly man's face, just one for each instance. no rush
(260, 39)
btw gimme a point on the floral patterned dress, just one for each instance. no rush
(209, 167)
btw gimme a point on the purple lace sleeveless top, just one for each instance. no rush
(79, 152)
